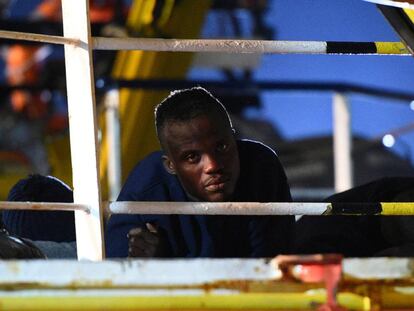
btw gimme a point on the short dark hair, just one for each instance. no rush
(187, 104)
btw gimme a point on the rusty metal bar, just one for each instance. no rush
(43, 206)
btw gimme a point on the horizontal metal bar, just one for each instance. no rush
(254, 208)
(43, 206)
(196, 283)
(178, 300)
(26, 36)
(252, 86)
(230, 87)
(249, 46)
(226, 45)
(208, 45)
(112, 273)
(218, 208)
(176, 272)
(227, 208)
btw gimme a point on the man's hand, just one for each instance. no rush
(146, 242)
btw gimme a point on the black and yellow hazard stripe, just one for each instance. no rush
(336, 47)
(402, 22)
(380, 208)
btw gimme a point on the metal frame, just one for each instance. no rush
(83, 128)
(218, 284)
(80, 86)
(156, 284)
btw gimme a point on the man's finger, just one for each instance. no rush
(142, 239)
(134, 231)
(151, 228)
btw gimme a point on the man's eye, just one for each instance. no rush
(222, 147)
(192, 157)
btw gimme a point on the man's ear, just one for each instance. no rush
(168, 164)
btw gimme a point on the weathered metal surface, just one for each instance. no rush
(390, 269)
(43, 206)
(34, 37)
(228, 208)
(134, 273)
(255, 208)
(204, 284)
(237, 46)
(219, 208)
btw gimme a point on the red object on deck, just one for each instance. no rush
(314, 269)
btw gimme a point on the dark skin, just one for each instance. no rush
(203, 153)
(146, 242)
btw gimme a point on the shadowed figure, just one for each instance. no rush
(37, 234)
(58, 226)
(361, 236)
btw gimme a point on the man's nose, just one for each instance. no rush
(212, 164)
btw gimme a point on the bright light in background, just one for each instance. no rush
(388, 140)
(412, 105)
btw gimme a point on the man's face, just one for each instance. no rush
(203, 154)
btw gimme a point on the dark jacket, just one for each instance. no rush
(262, 179)
(361, 236)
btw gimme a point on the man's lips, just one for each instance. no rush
(217, 185)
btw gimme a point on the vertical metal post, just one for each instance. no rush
(83, 129)
(342, 143)
(114, 143)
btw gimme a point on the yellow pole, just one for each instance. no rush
(252, 301)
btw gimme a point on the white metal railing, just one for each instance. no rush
(207, 45)
(342, 143)
(83, 129)
(226, 208)
(113, 135)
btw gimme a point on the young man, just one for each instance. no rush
(201, 161)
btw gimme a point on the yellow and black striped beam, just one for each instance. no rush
(402, 22)
(335, 47)
(380, 208)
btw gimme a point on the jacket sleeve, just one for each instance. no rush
(116, 241)
(147, 182)
(118, 225)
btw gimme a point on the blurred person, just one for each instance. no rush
(58, 226)
(52, 232)
(361, 236)
(42, 64)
